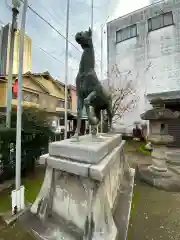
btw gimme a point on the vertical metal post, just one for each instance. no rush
(19, 106)
(102, 49)
(10, 67)
(66, 68)
(146, 65)
(102, 52)
(101, 71)
(92, 15)
(1, 39)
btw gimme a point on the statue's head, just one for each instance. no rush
(84, 38)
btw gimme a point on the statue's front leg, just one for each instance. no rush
(90, 97)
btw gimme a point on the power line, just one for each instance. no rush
(49, 54)
(49, 13)
(50, 25)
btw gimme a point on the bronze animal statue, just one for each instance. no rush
(90, 92)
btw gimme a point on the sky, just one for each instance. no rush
(48, 47)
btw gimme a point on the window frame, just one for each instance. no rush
(129, 28)
(60, 103)
(150, 29)
(31, 95)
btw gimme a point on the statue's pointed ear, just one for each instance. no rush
(90, 32)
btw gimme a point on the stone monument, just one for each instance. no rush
(80, 189)
(83, 177)
(158, 173)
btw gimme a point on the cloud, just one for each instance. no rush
(45, 38)
(126, 6)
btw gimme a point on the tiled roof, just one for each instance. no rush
(158, 113)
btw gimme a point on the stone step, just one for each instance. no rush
(173, 157)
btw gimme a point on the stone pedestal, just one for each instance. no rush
(160, 139)
(80, 188)
(158, 174)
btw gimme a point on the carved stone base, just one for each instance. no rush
(168, 180)
(158, 165)
(80, 195)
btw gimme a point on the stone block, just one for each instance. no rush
(159, 152)
(160, 139)
(86, 189)
(93, 171)
(87, 150)
(99, 171)
(66, 165)
(173, 157)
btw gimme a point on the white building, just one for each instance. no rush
(147, 43)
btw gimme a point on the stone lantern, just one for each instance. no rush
(157, 173)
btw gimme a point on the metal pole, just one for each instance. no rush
(19, 107)
(145, 70)
(102, 52)
(92, 15)
(10, 71)
(1, 38)
(102, 71)
(66, 67)
(102, 46)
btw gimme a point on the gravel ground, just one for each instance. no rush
(155, 214)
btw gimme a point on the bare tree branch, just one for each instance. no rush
(123, 92)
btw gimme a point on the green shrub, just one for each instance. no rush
(36, 133)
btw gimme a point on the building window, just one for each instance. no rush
(30, 97)
(60, 103)
(126, 33)
(160, 21)
(69, 105)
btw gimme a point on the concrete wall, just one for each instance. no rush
(152, 56)
(155, 127)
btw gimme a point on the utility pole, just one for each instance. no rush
(92, 15)
(66, 67)
(19, 192)
(102, 71)
(1, 38)
(102, 49)
(15, 11)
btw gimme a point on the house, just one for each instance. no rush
(146, 42)
(72, 93)
(41, 91)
